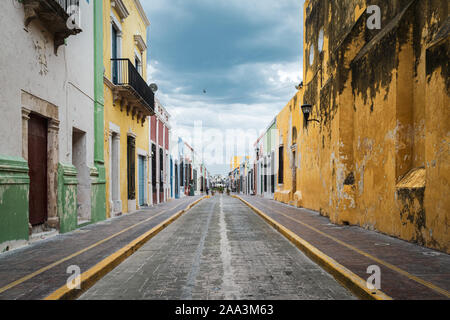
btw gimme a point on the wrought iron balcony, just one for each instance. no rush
(132, 90)
(56, 17)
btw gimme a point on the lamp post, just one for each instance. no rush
(307, 110)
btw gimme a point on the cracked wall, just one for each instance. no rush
(380, 156)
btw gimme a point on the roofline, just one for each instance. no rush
(142, 12)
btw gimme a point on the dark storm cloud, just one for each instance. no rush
(226, 63)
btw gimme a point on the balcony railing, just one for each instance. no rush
(125, 74)
(54, 15)
(67, 4)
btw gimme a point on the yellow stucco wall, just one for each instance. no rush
(131, 26)
(380, 156)
(286, 121)
(235, 162)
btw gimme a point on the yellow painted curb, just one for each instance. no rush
(90, 277)
(350, 280)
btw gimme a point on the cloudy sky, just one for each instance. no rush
(231, 64)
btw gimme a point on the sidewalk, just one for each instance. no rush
(408, 271)
(35, 271)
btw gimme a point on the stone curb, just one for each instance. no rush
(90, 277)
(346, 277)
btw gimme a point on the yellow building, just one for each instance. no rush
(378, 153)
(289, 126)
(235, 162)
(128, 103)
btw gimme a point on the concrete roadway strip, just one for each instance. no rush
(350, 280)
(90, 277)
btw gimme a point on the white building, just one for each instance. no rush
(47, 125)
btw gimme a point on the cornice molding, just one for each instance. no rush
(140, 42)
(121, 9)
(142, 12)
(108, 82)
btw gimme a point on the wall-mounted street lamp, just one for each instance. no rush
(307, 110)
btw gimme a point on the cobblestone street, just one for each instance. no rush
(218, 250)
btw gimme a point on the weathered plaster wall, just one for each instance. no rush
(286, 121)
(379, 157)
(14, 189)
(31, 68)
(67, 197)
(38, 71)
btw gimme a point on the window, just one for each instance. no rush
(154, 167)
(272, 172)
(265, 181)
(182, 174)
(114, 43)
(189, 175)
(281, 165)
(294, 135)
(115, 54)
(195, 179)
(138, 64)
(321, 41)
(131, 167)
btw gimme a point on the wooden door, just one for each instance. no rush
(154, 173)
(37, 162)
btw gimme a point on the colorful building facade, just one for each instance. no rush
(288, 158)
(51, 160)
(190, 175)
(129, 102)
(265, 162)
(370, 147)
(160, 155)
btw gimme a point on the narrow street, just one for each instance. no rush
(220, 249)
(240, 151)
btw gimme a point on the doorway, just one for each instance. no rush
(154, 174)
(37, 162)
(161, 175)
(141, 180)
(115, 200)
(79, 161)
(294, 171)
(177, 195)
